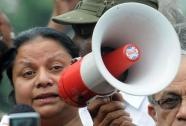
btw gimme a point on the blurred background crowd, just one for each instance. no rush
(24, 14)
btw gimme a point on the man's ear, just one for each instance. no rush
(152, 112)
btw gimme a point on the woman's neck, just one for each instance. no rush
(68, 118)
(76, 121)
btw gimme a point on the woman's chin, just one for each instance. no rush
(50, 110)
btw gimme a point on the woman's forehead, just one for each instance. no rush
(39, 40)
(41, 44)
(41, 48)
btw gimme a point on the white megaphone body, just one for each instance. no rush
(157, 53)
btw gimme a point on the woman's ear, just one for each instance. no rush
(152, 112)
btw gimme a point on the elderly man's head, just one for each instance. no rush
(168, 107)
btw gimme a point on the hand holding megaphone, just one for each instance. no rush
(128, 22)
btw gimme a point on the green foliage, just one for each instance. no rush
(24, 14)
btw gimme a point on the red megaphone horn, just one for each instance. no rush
(79, 82)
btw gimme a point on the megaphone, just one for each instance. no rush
(128, 22)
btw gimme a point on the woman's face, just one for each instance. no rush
(36, 72)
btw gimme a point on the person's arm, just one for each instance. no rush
(5, 30)
(60, 7)
(109, 113)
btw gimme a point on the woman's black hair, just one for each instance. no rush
(44, 32)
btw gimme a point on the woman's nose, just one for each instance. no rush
(44, 79)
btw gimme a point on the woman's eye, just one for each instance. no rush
(28, 74)
(57, 68)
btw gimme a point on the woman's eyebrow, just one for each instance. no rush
(58, 55)
(24, 62)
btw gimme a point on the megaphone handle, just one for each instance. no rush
(106, 98)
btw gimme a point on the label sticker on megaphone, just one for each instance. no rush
(132, 52)
(75, 89)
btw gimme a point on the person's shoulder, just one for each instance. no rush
(5, 81)
(5, 90)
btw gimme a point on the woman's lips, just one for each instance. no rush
(46, 98)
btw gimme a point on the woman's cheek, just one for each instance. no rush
(23, 93)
